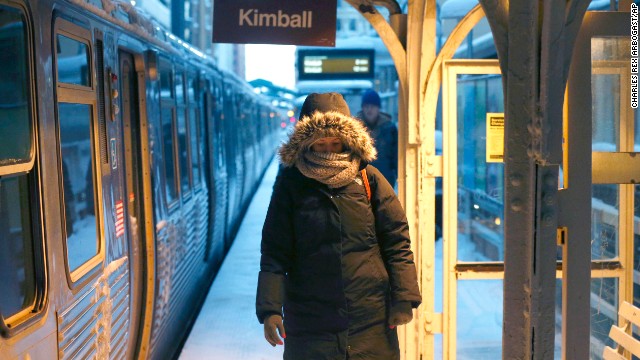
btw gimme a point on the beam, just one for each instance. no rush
(533, 40)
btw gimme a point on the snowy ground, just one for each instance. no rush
(82, 244)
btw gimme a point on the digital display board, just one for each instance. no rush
(334, 64)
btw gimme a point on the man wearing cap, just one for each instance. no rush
(384, 133)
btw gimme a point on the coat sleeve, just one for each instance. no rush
(392, 230)
(277, 252)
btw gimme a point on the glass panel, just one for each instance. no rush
(179, 87)
(14, 90)
(478, 44)
(73, 61)
(609, 62)
(182, 151)
(170, 172)
(479, 322)
(193, 87)
(17, 283)
(604, 222)
(604, 309)
(195, 140)
(78, 183)
(480, 184)
(166, 79)
(606, 113)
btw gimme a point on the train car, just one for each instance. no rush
(126, 160)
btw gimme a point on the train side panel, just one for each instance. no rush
(139, 162)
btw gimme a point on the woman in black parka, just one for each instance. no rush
(339, 264)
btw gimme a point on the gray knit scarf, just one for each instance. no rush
(335, 170)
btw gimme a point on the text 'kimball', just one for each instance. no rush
(252, 17)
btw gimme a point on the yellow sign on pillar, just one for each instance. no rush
(495, 137)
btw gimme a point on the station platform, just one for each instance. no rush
(227, 327)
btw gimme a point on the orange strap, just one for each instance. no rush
(365, 179)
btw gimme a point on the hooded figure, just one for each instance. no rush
(384, 133)
(337, 265)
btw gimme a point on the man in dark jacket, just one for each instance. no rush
(384, 133)
(338, 262)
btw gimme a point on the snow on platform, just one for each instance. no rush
(227, 327)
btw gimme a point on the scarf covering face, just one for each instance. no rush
(351, 132)
(334, 170)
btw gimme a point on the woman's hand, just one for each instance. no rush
(271, 323)
(399, 314)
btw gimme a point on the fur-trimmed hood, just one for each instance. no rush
(327, 124)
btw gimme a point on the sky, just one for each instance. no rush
(271, 62)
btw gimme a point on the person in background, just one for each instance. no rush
(384, 133)
(337, 273)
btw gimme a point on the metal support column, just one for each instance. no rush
(534, 42)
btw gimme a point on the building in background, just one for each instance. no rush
(192, 21)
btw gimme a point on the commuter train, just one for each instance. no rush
(126, 161)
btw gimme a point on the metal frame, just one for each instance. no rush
(451, 272)
(626, 134)
(576, 334)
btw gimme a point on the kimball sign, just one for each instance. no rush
(299, 22)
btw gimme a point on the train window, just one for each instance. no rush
(21, 255)
(16, 246)
(195, 141)
(168, 108)
(167, 140)
(192, 88)
(79, 172)
(183, 156)
(78, 183)
(73, 61)
(194, 122)
(179, 86)
(166, 79)
(14, 105)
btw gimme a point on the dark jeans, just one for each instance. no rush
(372, 345)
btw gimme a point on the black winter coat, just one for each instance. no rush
(335, 267)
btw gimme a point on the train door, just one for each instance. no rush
(134, 180)
(470, 256)
(84, 166)
(602, 172)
